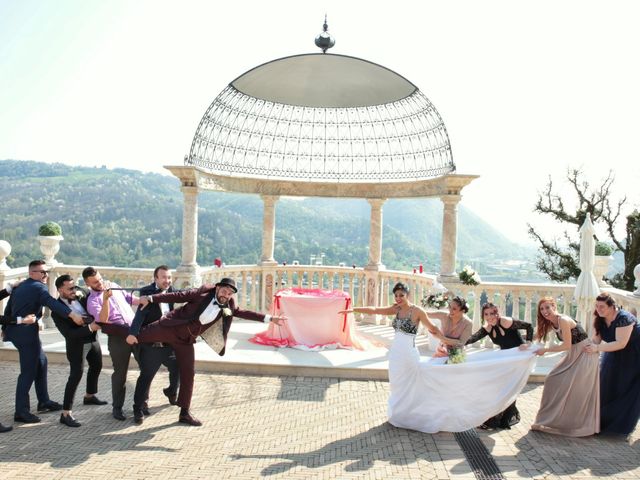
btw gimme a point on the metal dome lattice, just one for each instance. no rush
(249, 134)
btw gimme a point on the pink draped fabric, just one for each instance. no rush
(313, 322)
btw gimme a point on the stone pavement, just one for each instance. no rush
(281, 427)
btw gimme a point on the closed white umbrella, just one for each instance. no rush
(587, 286)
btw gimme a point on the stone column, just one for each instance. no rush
(372, 279)
(268, 229)
(187, 272)
(449, 238)
(375, 234)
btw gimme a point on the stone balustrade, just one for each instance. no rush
(258, 283)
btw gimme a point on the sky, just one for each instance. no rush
(527, 90)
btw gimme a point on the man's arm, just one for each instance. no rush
(65, 328)
(181, 296)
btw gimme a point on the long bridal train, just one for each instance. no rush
(430, 396)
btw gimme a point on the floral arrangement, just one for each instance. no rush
(456, 355)
(469, 276)
(226, 312)
(436, 300)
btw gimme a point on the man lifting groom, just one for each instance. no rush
(206, 307)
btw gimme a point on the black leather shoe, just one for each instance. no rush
(26, 418)
(69, 421)
(5, 429)
(93, 400)
(189, 420)
(145, 410)
(138, 416)
(49, 406)
(118, 414)
(173, 398)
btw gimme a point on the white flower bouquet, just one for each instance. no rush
(436, 300)
(469, 276)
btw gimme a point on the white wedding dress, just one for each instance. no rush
(430, 396)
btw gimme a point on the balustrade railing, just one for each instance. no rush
(257, 285)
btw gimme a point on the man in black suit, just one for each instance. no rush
(152, 355)
(81, 343)
(30, 298)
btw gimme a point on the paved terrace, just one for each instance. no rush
(277, 419)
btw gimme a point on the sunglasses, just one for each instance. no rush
(44, 272)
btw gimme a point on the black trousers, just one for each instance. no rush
(120, 352)
(76, 355)
(150, 358)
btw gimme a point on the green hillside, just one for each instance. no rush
(129, 218)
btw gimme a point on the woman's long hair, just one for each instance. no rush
(598, 321)
(544, 326)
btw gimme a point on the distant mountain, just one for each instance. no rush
(128, 218)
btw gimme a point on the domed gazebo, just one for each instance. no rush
(322, 125)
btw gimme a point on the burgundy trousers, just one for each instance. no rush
(181, 338)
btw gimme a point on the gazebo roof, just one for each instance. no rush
(322, 118)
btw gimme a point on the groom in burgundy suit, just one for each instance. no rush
(205, 307)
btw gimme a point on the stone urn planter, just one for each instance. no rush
(49, 246)
(601, 267)
(50, 236)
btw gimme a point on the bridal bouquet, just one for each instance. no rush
(436, 300)
(456, 355)
(469, 276)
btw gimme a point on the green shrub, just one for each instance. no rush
(50, 229)
(603, 249)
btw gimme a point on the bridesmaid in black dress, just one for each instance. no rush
(503, 331)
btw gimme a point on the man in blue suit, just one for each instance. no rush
(4, 293)
(30, 298)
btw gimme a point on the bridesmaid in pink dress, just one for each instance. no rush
(455, 326)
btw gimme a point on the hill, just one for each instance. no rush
(128, 218)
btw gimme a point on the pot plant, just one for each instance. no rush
(50, 236)
(602, 262)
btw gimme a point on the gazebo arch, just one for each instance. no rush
(321, 125)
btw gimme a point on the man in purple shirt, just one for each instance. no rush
(112, 309)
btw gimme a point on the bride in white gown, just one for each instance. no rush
(429, 395)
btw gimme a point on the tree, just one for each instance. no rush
(560, 263)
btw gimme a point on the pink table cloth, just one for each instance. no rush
(313, 322)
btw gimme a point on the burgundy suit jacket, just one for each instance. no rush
(195, 302)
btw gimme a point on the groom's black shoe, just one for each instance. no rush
(5, 429)
(189, 419)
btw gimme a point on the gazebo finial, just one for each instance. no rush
(324, 40)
